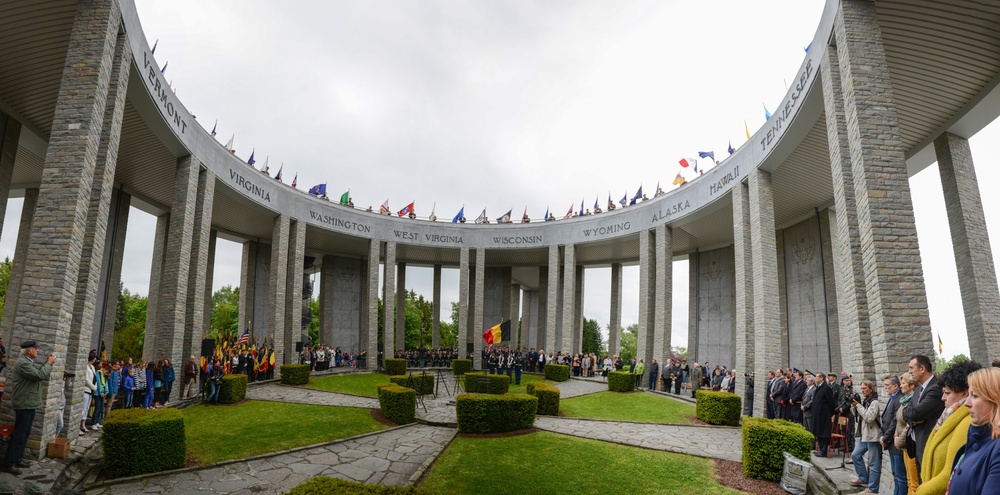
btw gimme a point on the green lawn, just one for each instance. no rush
(219, 433)
(546, 462)
(365, 384)
(642, 407)
(525, 380)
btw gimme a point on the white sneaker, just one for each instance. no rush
(97, 426)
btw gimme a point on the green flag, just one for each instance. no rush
(345, 198)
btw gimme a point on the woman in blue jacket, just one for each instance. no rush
(977, 468)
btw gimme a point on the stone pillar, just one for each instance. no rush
(326, 300)
(647, 284)
(515, 316)
(370, 314)
(663, 299)
(551, 300)
(764, 256)
(569, 297)
(694, 273)
(779, 249)
(894, 281)
(845, 240)
(10, 134)
(277, 286)
(111, 271)
(827, 222)
(529, 315)
(153, 298)
(436, 310)
(463, 302)
(206, 327)
(578, 294)
(199, 276)
(10, 305)
(977, 276)
(543, 308)
(389, 300)
(615, 325)
(400, 306)
(295, 267)
(248, 284)
(743, 268)
(52, 267)
(477, 306)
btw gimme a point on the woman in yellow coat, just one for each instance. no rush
(951, 431)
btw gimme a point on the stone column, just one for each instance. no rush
(155, 274)
(779, 249)
(10, 305)
(515, 316)
(248, 284)
(615, 325)
(277, 284)
(326, 299)
(973, 255)
(529, 327)
(663, 299)
(647, 284)
(199, 276)
(542, 308)
(743, 268)
(897, 301)
(400, 306)
(569, 297)
(10, 134)
(206, 327)
(477, 306)
(389, 300)
(578, 294)
(463, 302)
(52, 267)
(764, 256)
(295, 267)
(551, 300)
(694, 273)
(370, 315)
(111, 271)
(436, 310)
(827, 222)
(845, 240)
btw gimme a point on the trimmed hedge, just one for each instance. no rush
(424, 381)
(398, 403)
(557, 372)
(764, 440)
(294, 374)
(479, 413)
(128, 435)
(548, 398)
(499, 384)
(621, 381)
(718, 408)
(461, 366)
(324, 485)
(394, 366)
(234, 388)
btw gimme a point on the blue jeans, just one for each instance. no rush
(213, 392)
(898, 473)
(868, 475)
(517, 376)
(652, 380)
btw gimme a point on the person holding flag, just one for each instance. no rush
(345, 199)
(384, 209)
(497, 333)
(318, 190)
(460, 216)
(637, 197)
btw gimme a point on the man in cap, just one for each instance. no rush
(27, 381)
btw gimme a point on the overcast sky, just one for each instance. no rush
(501, 105)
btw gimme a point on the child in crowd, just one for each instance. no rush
(128, 385)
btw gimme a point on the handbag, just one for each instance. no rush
(158, 383)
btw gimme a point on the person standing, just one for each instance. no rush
(89, 387)
(26, 382)
(888, 436)
(189, 377)
(795, 397)
(823, 407)
(926, 406)
(807, 401)
(696, 376)
(977, 469)
(654, 373)
(639, 368)
(868, 415)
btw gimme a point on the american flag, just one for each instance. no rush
(245, 338)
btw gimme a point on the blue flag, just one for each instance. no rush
(164, 69)
(459, 215)
(731, 150)
(546, 213)
(214, 126)
(638, 195)
(251, 161)
(809, 46)
(767, 114)
(153, 51)
(707, 154)
(624, 200)
(318, 190)
(596, 205)
(505, 217)
(581, 207)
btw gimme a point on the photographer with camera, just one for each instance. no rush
(844, 395)
(868, 413)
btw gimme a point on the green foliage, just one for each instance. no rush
(129, 433)
(548, 398)
(449, 329)
(398, 404)
(718, 408)
(234, 388)
(461, 366)
(424, 382)
(479, 413)
(294, 374)
(557, 372)
(593, 341)
(314, 322)
(629, 341)
(615, 406)
(324, 485)
(620, 381)
(226, 311)
(764, 440)
(128, 341)
(395, 366)
(679, 352)
(499, 384)
(130, 325)
(5, 268)
(941, 364)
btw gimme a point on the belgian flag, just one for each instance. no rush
(497, 333)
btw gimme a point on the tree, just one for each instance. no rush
(941, 364)
(314, 322)
(629, 340)
(5, 268)
(130, 325)
(592, 339)
(679, 352)
(449, 330)
(226, 311)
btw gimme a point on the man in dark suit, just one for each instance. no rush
(823, 406)
(888, 438)
(778, 394)
(768, 403)
(796, 393)
(923, 410)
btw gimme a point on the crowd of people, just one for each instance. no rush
(324, 357)
(438, 357)
(121, 384)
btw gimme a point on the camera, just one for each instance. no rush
(856, 398)
(748, 374)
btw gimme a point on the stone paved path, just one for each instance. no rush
(577, 387)
(702, 441)
(284, 393)
(389, 458)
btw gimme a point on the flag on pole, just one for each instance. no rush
(624, 200)
(229, 145)
(245, 338)
(382, 210)
(596, 204)
(611, 205)
(524, 216)
(164, 69)
(707, 154)
(459, 215)
(637, 197)
(482, 217)
(940, 346)
(345, 198)
(679, 179)
(280, 169)
(295, 180)
(581, 207)
(153, 51)
(731, 150)
(767, 114)
(318, 190)
(433, 207)
(265, 169)
(406, 210)
(696, 167)
(658, 190)
(687, 162)
(569, 213)
(497, 333)
(505, 218)
(214, 127)
(251, 161)
(747, 129)
(808, 46)
(546, 213)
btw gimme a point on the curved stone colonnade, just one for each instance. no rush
(802, 245)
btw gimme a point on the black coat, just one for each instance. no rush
(923, 415)
(823, 407)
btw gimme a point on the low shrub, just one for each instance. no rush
(461, 366)
(423, 382)
(294, 374)
(128, 434)
(478, 413)
(234, 388)
(499, 384)
(324, 485)
(718, 408)
(398, 403)
(764, 441)
(621, 381)
(548, 398)
(395, 366)
(557, 372)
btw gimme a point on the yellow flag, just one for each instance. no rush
(747, 129)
